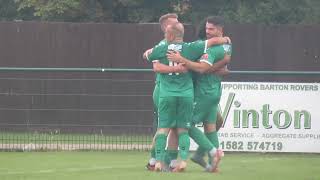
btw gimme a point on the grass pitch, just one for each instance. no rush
(130, 165)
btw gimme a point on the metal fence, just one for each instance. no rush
(75, 109)
(44, 110)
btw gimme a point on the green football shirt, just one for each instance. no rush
(177, 84)
(162, 42)
(212, 55)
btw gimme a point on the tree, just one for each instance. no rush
(9, 11)
(52, 9)
(259, 12)
(135, 11)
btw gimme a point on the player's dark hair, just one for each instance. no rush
(215, 20)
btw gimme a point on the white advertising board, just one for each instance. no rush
(270, 117)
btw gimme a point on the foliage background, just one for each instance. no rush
(145, 11)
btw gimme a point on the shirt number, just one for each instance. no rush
(173, 64)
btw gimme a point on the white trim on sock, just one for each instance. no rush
(152, 161)
(212, 152)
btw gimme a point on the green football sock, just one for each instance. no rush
(201, 139)
(170, 155)
(161, 141)
(184, 145)
(153, 152)
(213, 137)
(200, 152)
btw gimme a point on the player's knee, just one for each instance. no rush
(163, 131)
(181, 130)
(210, 127)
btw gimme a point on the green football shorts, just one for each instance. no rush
(206, 107)
(175, 112)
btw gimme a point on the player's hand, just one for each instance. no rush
(147, 53)
(222, 71)
(227, 39)
(181, 68)
(227, 58)
(174, 56)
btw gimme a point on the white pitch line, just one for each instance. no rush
(259, 160)
(4, 169)
(48, 171)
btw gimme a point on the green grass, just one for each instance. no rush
(130, 165)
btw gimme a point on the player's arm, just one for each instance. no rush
(146, 53)
(200, 67)
(220, 65)
(149, 51)
(222, 71)
(162, 68)
(153, 56)
(218, 40)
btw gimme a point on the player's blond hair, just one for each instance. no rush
(177, 29)
(164, 18)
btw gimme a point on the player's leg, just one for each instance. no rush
(201, 112)
(214, 157)
(212, 134)
(204, 145)
(152, 161)
(160, 145)
(184, 146)
(184, 116)
(210, 127)
(206, 111)
(214, 118)
(172, 148)
(166, 108)
(155, 98)
(200, 152)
